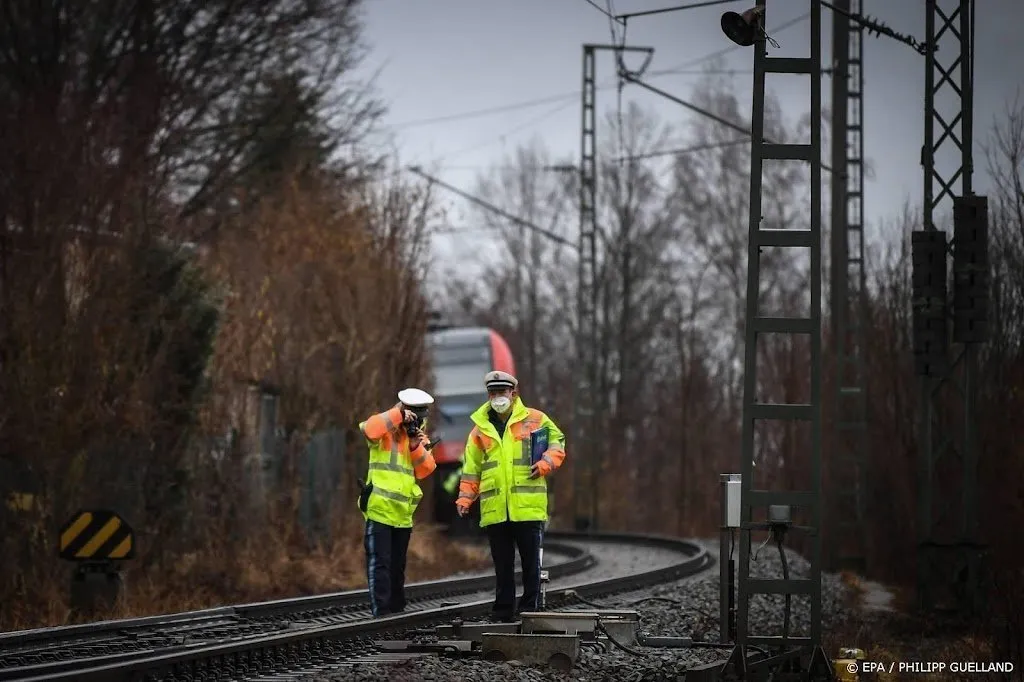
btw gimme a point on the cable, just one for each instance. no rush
(703, 112)
(526, 224)
(620, 83)
(760, 547)
(686, 150)
(692, 5)
(580, 597)
(878, 28)
(664, 599)
(500, 109)
(511, 131)
(574, 95)
(619, 645)
(789, 597)
(600, 9)
(718, 53)
(674, 151)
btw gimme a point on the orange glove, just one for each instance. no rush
(462, 505)
(541, 468)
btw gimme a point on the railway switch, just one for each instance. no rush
(622, 625)
(474, 631)
(558, 651)
(449, 646)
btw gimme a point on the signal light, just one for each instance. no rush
(742, 29)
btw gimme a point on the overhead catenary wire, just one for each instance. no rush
(600, 9)
(775, 30)
(678, 151)
(634, 77)
(677, 8)
(703, 112)
(672, 151)
(682, 68)
(511, 131)
(569, 98)
(619, 69)
(526, 224)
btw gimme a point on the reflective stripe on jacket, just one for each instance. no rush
(497, 469)
(393, 470)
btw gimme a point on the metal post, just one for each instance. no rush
(724, 534)
(849, 306)
(583, 424)
(840, 69)
(586, 441)
(756, 325)
(948, 550)
(727, 563)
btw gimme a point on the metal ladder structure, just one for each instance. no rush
(586, 467)
(849, 445)
(587, 440)
(796, 654)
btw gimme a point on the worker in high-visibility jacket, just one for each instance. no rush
(510, 452)
(399, 456)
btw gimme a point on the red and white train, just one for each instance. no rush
(461, 357)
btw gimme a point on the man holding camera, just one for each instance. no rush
(510, 451)
(399, 456)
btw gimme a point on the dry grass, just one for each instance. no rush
(901, 637)
(259, 571)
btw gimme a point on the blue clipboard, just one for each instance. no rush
(538, 444)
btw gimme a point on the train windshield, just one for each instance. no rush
(454, 424)
(460, 371)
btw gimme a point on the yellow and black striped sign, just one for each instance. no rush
(96, 535)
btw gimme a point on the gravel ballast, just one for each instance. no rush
(684, 608)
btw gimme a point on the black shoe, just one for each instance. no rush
(502, 617)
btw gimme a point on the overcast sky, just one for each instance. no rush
(451, 58)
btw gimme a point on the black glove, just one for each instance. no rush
(364, 494)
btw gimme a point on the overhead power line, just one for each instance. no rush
(664, 10)
(878, 28)
(679, 151)
(500, 109)
(511, 131)
(672, 151)
(682, 68)
(572, 97)
(732, 48)
(700, 110)
(600, 9)
(494, 209)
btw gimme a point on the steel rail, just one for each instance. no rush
(260, 654)
(53, 650)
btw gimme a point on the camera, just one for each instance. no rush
(413, 426)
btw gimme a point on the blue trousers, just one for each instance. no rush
(504, 539)
(386, 549)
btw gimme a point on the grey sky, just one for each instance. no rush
(450, 57)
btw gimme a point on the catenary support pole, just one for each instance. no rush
(586, 441)
(804, 649)
(949, 554)
(849, 446)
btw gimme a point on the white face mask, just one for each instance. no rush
(501, 403)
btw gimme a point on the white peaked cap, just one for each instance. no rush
(498, 379)
(414, 397)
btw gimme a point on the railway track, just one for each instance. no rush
(47, 651)
(254, 640)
